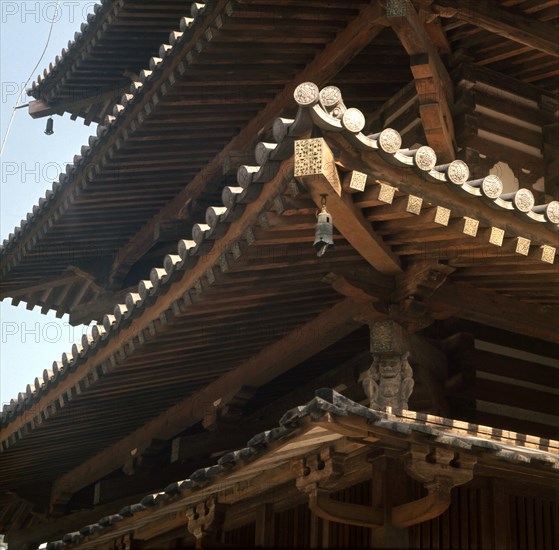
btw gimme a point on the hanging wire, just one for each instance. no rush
(17, 104)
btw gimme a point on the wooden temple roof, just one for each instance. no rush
(105, 55)
(167, 351)
(329, 420)
(243, 300)
(424, 213)
(76, 250)
(160, 137)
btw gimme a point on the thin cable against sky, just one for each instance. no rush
(18, 101)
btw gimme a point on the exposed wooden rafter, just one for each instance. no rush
(490, 16)
(347, 44)
(498, 311)
(321, 178)
(433, 84)
(40, 108)
(278, 358)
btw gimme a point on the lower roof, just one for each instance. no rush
(330, 419)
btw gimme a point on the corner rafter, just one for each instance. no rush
(41, 108)
(347, 44)
(315, 168)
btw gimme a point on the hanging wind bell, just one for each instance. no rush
(323, 236)
(50, 127)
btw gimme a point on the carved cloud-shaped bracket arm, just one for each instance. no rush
(326, 508)
(431, 506)
(439, 470)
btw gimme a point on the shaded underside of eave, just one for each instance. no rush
(186, 356)
(168, 148)
(504, 55)
(171, 170)
(112, 47)
(328, 420)
(215, 53)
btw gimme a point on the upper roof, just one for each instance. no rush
(177, 125)
(105, 55)
(74, 246)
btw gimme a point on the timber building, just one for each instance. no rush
(237, 389)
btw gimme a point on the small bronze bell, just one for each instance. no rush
(50, 127)
(323, 236)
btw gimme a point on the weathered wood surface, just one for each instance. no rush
(523, 29)
(272, 361)
(434, 87)
(322, 179)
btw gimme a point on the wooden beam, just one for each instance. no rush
(434, 87)
(165, 301)
(515, 26)
(96, 308)
(498, 311)
(40, 108)
(345, 513)
(315, 168)
(379, 171)
(346, 45)
(23, 291)
(300, 344)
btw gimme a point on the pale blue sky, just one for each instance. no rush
(31, 161)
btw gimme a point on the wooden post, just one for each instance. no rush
(501, 519)
(390, 488)
(264, 526)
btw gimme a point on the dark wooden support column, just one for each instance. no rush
(391, 511)
(264, 526)
(389, 488)
(435, 89)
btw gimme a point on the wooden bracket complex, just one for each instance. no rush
(205, 521)
(438, 469)
(316, 476)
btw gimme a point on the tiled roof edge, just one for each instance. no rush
(327, 111)
(326, 401)
(82, 163)
(250, 181)
(88, 30)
